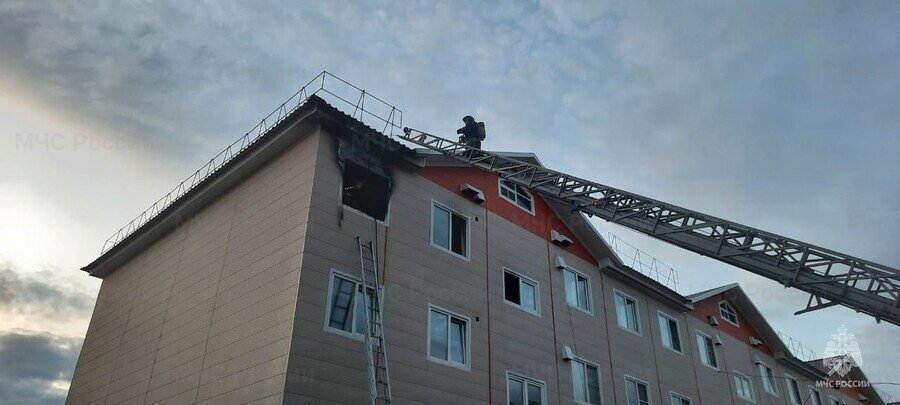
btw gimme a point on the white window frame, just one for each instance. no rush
(353, 334)
(527, 280)
(737, 321)
(589, 298)
(815, 397)
(637, 312)
(737, 389)
(790, 393)
(675, 395)
(500, 188)
(599, 379)
(526, 380)
(766, 383)
(467, 352)
(700, 348)
(466, 257)
(677, 329)
(638, 381)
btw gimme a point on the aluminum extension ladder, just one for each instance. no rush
(376, 355)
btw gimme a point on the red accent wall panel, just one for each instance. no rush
(541, 223)
(710, 306)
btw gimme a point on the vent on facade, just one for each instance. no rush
(567, 353)
(560, 262)
(863, 398)
(755, 342)
(473, 192)
(719, 341)
(366, 188)
(713, 321)
(560, 239)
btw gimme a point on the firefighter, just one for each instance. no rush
(472, 134)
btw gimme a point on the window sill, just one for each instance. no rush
(673, 350)
(350, 335)
(633, 332)
(450, 252)
(521, 308)
(464, 367)
(591, 313)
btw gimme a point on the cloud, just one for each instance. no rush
(778, 115)
(29, 295)
(50, 300)
(36, 367)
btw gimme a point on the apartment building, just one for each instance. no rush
(247, 289)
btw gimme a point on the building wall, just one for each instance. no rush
(329, 368)
(205, 314)
(231, 306)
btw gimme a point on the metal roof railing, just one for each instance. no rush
(797, 348)
(644, 263)
(367, 108)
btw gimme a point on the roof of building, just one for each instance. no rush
(317, 111)
(314, 111)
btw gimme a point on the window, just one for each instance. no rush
(668, 331)
(743, 386)
(728, 312)
(793, 390)
(449, 230)
(586, 382)
(448, 337)
(814, 397)
(520, 291)
(678, 399)
(523, 390)
(365, 189)
(578, 290)
(768, 379)
(636, 392)
(833, 401)
(517, 195)
(346, 307)
(707, 351)
(626, 312)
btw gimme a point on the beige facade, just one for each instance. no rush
(232, 304)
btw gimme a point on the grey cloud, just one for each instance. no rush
(29, 363)
(778, 115)
(30, 295)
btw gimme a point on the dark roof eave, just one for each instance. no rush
(628, 274)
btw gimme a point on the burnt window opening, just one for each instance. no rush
(366, 190)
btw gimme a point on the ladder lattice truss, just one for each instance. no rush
(831, 278)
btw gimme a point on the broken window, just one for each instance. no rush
(366, 188)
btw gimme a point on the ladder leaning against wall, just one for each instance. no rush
(379, 382)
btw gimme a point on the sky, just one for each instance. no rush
(784, 116)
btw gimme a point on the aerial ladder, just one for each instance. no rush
(831, 278)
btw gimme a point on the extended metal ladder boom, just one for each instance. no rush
(831, 278)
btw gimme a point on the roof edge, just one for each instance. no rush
(312, 113)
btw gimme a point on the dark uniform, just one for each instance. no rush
(472, 134)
